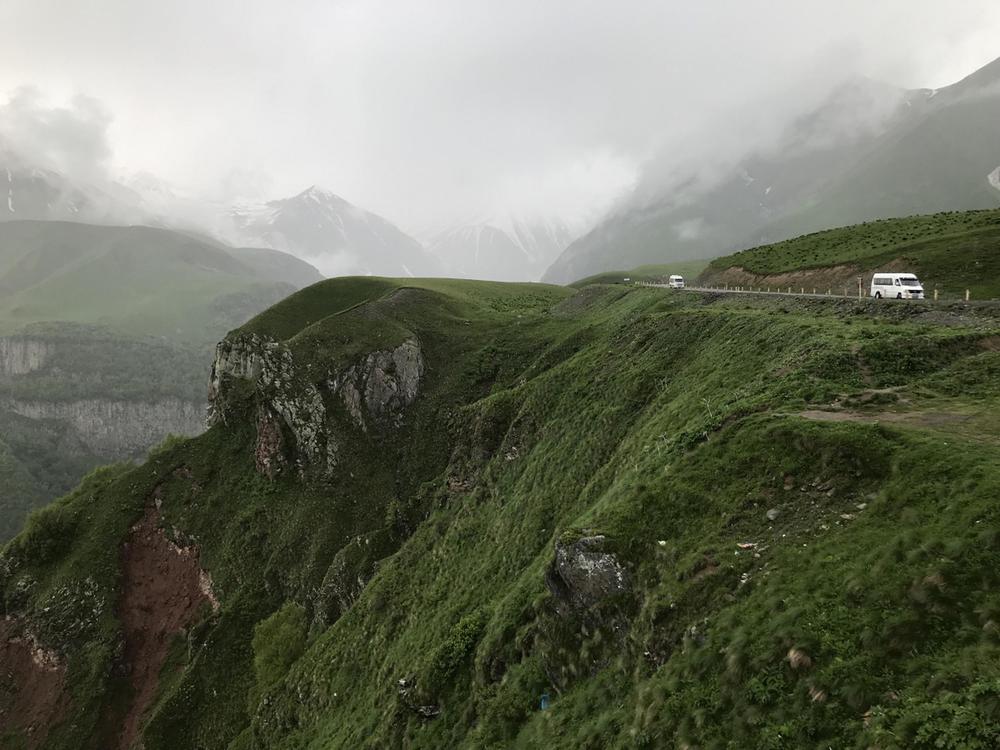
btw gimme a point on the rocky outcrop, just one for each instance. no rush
(118, 429)
(351, 569)
(292, 400)
(584, 622)
(382, 385)
(269, 450)
(585, 573)
(283, 392)
(21, 355)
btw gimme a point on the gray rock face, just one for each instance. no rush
(269, 450)
(20, 355)
(349, 572)
(118, 429)
(382, 385)
(269, 366)
(374, 391)
(585, 574)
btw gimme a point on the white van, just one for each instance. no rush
(896, 286)
(676, 282)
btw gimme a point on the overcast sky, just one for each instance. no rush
(432, 111)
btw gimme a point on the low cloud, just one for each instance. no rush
(431, 113)
(71, 138)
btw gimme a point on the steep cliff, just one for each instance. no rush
(73, 397)
(460, 514)
(20, 355)
(374, 392)
(118, 430)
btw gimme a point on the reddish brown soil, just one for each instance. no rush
(836, 279)
(32, 684)
(163, 591)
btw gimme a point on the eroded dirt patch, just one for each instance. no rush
(33, 694)
(164, 592)
(840, 279)
(834, 278)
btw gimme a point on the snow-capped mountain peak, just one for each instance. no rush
(336, 236)
(504, 247)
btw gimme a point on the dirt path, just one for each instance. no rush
(947, 421)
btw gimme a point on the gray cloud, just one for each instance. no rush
(71, 138)
(432, 112)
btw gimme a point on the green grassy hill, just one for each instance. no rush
(139, 280)
(688, 520)
(949, 251)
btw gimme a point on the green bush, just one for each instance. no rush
(455, 649)
(277, 642)
(966, 720)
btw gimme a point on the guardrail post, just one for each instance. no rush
(935, 294)
(966, 295)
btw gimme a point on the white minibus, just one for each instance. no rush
(676, 282)
(896, 286)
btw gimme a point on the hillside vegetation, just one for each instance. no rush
(949, 251)
(688, 520)
(106, 335)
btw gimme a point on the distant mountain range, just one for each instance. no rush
(316, 225)
(926, 151)
(336, 236)
(510, 249)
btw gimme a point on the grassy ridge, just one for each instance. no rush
(956, 251)
(860, 612)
